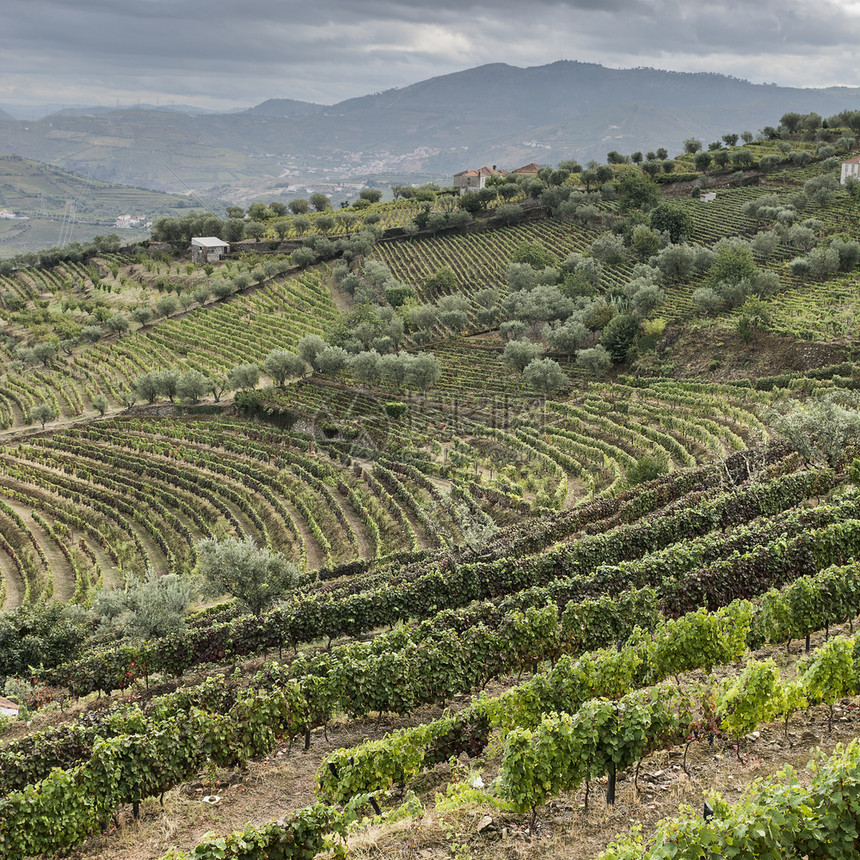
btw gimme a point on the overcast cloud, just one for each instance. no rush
(223, 53)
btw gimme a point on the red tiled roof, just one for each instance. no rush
(527, 168)
(5, 703)
(483, 171)
(855, 160)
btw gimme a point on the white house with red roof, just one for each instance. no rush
(850, 168)
(8, 709)
(472, 180)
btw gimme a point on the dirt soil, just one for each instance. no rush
(565, 830)
(260, 792)
(284, 781)
(721, 355)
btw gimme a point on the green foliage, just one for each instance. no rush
(821, 430)
(733, 263)
(828, 675)
(281, 364)
(646, 468)
(41, 634)
(535, 255)
(42, 413)
(672, 219)
(598, 316)
(519, 354)
(752, 699)
(149, 608)
(595, 361)
(545, 375)
(192, 386)
(644, 241)
(778, 817)
(319, 201)
(100, 403)
(618, 336)
(637, 191)
(395, 409)
(243, 376)
(254, 576)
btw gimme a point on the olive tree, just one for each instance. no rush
(820, 430)
(595, 361)
(42, 412)
(309, 347)
(545, 375)
(148, 608)
(146, 386)
(424, 371)
(281, 364)
(332, 359)
(192, 386)
(518, 354)
(254, 576)
(100, 403)
(243, 376)
(320, 201)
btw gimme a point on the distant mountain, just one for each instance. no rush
(285, 107)
(33, 113)
(493, 114)
(101, 110)
(573, 107)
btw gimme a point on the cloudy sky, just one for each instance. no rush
(230, 53)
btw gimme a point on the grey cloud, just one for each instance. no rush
(221, 51)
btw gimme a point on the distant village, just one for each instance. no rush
(126, 222)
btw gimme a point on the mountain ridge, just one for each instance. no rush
(494, 113)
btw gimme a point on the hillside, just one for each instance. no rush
(490, 114)
(284, 108)
(544, 503)
(62, 206)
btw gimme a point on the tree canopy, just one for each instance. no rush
(256, 577)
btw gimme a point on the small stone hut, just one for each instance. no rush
(208, 249)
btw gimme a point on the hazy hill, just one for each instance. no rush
(578, 105)
(491, 114)
(63, 206)
(100, 110)
(285, 107)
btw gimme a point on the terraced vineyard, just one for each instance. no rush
(479, 259)
(126, 496)
(508, 600)
(697, 546)
(210, 339)
(90, 503)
